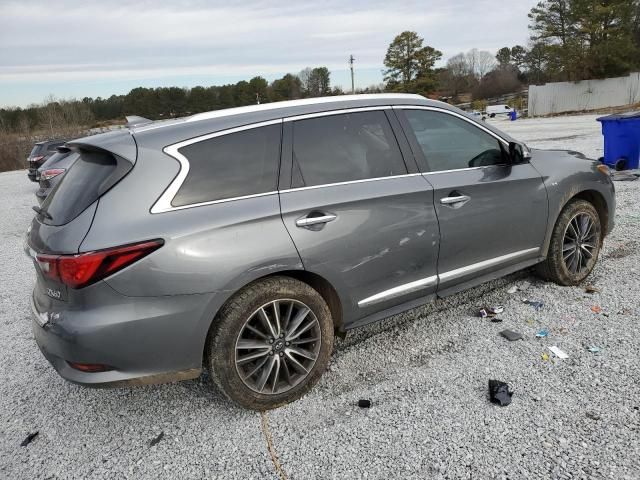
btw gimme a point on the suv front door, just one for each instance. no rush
(492, 214)
(357, 215)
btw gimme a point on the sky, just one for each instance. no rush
(74, 49)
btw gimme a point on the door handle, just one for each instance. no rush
(456, 201)
(309, 221)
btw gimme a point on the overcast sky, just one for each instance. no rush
(98, 47)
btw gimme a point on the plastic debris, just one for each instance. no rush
(513, 289)
(364, 403)
(29, 438)
(545, 356)
(511, 335)
(558, 353)
(593, 349)
(542, 333)
(499, 393)
(591, 289)
(496, 320)
(537, 304)
(490, 311)
(156, 440)
(596, 309)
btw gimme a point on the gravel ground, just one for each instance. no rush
(426, 372)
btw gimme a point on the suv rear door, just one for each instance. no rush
(357, 215)
(492, 214)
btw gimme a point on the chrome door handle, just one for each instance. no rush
(457, 201)
(308, 221)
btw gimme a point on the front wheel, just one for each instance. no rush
(270, 343)
(575, 244)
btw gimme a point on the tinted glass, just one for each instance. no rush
(451, 143)
(36, 150)
(79, 187)
(340, 148)
(234, 165)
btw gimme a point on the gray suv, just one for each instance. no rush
(242, 240)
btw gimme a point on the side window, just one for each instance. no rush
(451, 143)
(344, 147)
(233, 165)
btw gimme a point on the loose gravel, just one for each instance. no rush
(425, 372)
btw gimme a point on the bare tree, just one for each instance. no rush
(485, 63)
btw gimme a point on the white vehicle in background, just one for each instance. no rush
(498, 110)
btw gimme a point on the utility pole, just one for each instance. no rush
(351, 60)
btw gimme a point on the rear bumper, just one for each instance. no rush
(145, 339)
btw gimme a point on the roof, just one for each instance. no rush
(306, 105)
(303, 103)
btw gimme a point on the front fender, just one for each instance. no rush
(567, 175)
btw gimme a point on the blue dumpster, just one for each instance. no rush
(621, 140)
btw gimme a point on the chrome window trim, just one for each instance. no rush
(328, 113)
(450, 275)
(475, 267)
(163, 204)
(398, 291)
(349, 182)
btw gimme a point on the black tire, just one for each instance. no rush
(229, 329)
(555, 268)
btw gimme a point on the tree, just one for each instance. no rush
(503, 57)
(409, 64)
(587, 38)
(319, 83)
(485, 63)
(286, 88)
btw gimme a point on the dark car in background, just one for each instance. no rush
(52, 171)
(40, 153)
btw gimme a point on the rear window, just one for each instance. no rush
(82, 185)
(233, 165)
(36, 150)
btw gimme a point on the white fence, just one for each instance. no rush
(586, 95)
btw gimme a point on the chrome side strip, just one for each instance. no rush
(475, 267)
(398, 291)
(163, 204)
(450, 275)
(349, 182)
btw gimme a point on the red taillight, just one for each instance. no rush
(36, 159)
(80, 270)
(52, 172)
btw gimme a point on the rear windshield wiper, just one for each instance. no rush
(42, 212)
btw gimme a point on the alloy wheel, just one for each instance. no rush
(277, 346)
(579, 243)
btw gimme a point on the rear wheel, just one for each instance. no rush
(271, 343)
(575, 244)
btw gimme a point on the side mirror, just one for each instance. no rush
(518, 153)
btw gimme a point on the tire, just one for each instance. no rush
(240, 322)
(560, 265)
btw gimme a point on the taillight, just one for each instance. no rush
(52, 172)
(77, 271)
(36, 159)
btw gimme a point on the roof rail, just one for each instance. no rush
(296, 103)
